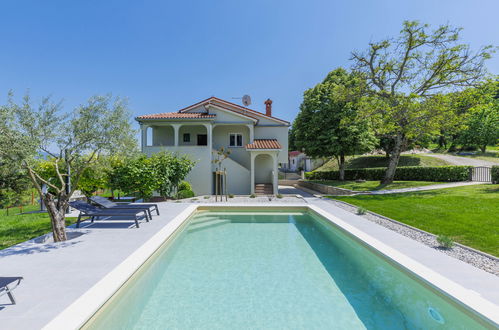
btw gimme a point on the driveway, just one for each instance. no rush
(457, 160)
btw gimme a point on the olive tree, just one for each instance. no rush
(73, 140)
(405, 72)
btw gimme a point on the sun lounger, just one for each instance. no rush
(106, 203)
(87, 210)
(7, 284)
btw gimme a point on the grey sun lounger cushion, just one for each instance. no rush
(7, 284)
(106, 203)
(87, 210)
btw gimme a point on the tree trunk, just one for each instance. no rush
(483, 148)
(442, 143)
(57, 213)
(341, 163)
(394, 160)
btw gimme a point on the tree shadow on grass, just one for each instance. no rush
(492, 189)
(382, 161)
(395, 196)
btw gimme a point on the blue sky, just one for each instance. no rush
(165, 55)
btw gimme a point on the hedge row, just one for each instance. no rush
(495, 174)
(406, 173)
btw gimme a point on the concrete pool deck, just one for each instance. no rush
(55, 275)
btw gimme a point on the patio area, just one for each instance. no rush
(55, 275)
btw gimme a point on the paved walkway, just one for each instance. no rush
(288, 190)
(458, 160)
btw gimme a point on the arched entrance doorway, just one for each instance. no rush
(264, 172)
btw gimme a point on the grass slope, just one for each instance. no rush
(470, 215)
(16, 228)
(375, 185)
(382, 161)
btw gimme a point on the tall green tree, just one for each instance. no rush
(329, 123)
(406, 74)
(481, 123)
(74, 140)
(292, 139)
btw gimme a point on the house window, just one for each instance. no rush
(202, 140)
(187, 137)
(235, 140)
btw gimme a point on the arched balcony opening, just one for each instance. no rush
(192, 135)
(161, 136)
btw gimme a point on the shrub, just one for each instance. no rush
(231, 196)
(278, 196)
(252, 196)
(407, 173)
(184, 185)
(185, 194)
(206, 197)
(161, 172)
(495, 174)
(361, 211)
(445, 241)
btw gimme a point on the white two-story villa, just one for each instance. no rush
(258, 143)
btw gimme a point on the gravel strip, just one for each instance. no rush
(475, 258)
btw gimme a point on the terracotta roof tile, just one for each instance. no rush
(182, 113)
(264, 144)
(247, 111)
(177, 115)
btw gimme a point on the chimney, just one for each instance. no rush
(268, 107)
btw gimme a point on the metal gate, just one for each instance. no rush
(481, 174)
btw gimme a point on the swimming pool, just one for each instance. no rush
(256, 269)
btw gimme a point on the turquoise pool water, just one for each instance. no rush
(228, 270)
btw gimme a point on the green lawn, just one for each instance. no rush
(375, 185)
(470, 215)
(16, 228)
(382, 161)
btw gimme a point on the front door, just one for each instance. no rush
(202, 140)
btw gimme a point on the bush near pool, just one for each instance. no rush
(184, 190)
(407, 173)
(495, 174)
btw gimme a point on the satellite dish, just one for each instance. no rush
(246, 100)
